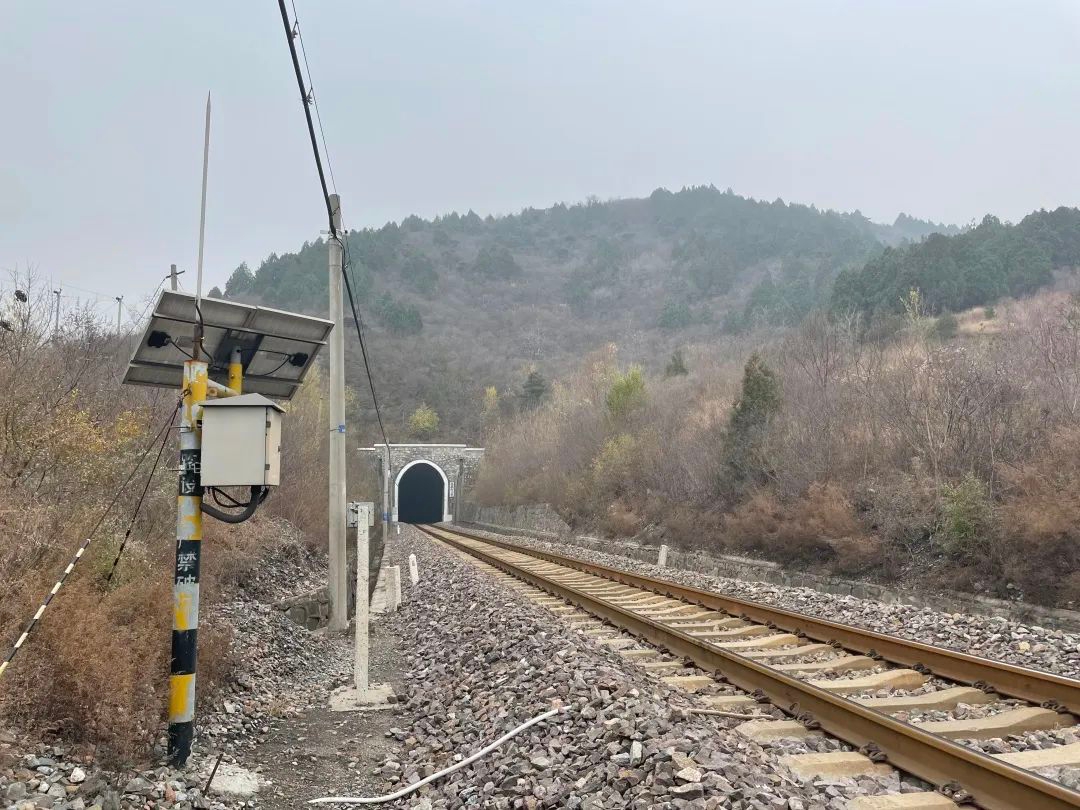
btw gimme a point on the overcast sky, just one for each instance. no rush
(941, 109)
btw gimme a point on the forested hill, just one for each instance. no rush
(977, 267)
(460, 303)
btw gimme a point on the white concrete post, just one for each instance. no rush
(360, 664)
(414, 573)
(393, 588)
(364, 695)
(662, 559)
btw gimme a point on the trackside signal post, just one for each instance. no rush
(214, 351)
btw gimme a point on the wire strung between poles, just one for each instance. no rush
(142, 496)
(292, 33)
(81, 550)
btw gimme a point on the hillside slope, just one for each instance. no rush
(988, 262)
(462, 302)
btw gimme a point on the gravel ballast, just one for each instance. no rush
(991, 637)
(482, 659)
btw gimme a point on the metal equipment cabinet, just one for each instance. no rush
(241, 442)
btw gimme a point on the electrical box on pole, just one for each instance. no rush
(241, 442)
(352, 516)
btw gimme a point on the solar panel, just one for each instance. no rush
(276, 348)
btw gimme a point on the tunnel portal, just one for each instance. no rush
(421, 494)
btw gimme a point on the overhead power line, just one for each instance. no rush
(311, 94)
(307, 97)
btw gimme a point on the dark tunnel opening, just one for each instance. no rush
(420, 495)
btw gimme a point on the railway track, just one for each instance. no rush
(884, 696)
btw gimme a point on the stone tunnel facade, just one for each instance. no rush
(456, 465)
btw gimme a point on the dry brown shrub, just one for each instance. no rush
(873, 439)
(1040, 544)
(902, 510)
(301, 498)
(863, 555)
(94, 671)
(763, 525)
(692, 528)
(825, 510)
(620, 520)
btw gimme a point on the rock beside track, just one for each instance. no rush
(988, 636)
(483, 660)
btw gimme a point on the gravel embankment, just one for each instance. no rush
(997, 638)
(482, 660)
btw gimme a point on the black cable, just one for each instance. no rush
(177, 347)
(308, 100)
(363, 353)
(311, 95)
(258, 495)
(289, 35)
(218, 494)
(286, 361)
(142, 496)
(135, 469)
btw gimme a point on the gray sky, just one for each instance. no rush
(944, 110)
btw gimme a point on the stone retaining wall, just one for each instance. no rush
(310, 610)
(542, 522)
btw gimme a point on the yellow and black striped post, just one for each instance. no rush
(188, 555)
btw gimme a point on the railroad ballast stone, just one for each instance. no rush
(1001, 639)
(483, 660)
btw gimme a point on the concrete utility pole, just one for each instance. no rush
(172, 277)
(119, 312)
(56, 321)
(338, 584)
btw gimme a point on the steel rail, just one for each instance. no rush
(1034, 686)
(992, 783)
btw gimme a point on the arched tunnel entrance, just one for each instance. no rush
(421, 494)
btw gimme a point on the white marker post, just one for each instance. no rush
(661, 560)
(363, 695)
(414, 573)
(360, 662)
(393, 588)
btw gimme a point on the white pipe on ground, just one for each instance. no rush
(405, 791)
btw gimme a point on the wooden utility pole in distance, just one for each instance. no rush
(338, 580)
